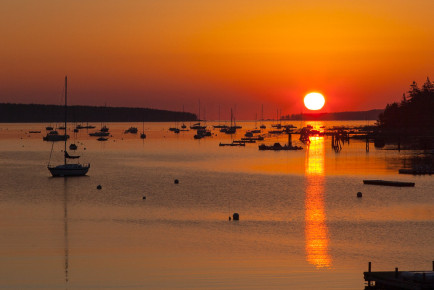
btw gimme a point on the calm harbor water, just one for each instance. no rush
(301, 225)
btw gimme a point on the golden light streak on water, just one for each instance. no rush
(317, 239)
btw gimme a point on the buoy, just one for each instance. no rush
(359, 194)
(229, 218)
(99, 186)
(176, 181)
(236, 216)
(144, 197)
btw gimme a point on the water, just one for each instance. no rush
(301, 225)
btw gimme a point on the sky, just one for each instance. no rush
(242, 54)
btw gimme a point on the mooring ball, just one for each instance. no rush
(99, 186)
(176, 181)
(236, 216)
(359, 194)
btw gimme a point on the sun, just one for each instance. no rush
(314, 101)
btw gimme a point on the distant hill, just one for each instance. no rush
(16, 113)
(338, 116)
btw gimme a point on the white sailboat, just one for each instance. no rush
(68, 169)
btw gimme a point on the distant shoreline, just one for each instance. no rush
(337, 116)
(36, 113)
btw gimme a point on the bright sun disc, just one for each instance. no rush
(314, 101)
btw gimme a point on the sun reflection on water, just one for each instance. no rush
(316, 231)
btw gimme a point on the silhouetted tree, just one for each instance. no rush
(415, 113)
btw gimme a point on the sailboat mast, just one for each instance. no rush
(66, 105)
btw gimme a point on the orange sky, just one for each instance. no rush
(165, 54)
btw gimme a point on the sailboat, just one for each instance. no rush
(143, 135)
(68, 169)
(262, 118)
(183, 125)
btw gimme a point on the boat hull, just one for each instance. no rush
(69, 170)
(389, 183)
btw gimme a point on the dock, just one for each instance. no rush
(394, 280)
(389, 183)
(416, 171)
(232, 144)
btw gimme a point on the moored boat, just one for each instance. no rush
(65, 169)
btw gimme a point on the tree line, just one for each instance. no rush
(414, 114)
(15, 113)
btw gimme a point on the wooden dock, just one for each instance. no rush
(232, 144)
(416, 171)
(389, 183)
(395, 280)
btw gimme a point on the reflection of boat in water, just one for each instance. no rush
(54, 136)
(197, 126)
(66, 169)
(132, 130)
(99, 134)
(278, 147)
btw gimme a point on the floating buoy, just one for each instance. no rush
(176, 181)
(236, 216)
(144, 197)
(99, 186)
(359, 194)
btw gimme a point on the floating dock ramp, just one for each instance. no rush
(389, 183)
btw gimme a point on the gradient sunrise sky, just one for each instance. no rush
(165, 54)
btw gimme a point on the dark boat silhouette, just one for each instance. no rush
(68, 169)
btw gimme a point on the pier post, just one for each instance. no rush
(367, 144)
(433, 265)
(396, 272)
(369, 270)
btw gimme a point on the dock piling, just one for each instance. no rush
(396, 272)
(369, 270)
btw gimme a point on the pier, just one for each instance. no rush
(389, 183)
(394, 280)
